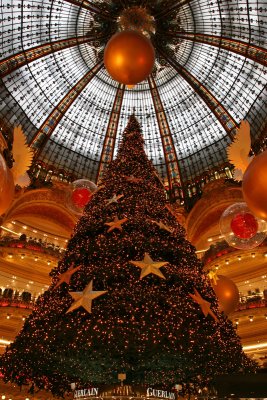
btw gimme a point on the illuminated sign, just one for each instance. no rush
(84, 393)
(163, 394)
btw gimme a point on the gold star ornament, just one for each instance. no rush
(114, 199)
(116, 224)
(149, 266)
(66, 276)
(84, 299)
(161, 225)
(213, 277)
(133, 179)
(204, 305)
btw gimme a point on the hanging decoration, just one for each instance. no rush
(7, 188)
(227, 294)
(240, 228)
(238, 150)
(254, 186)
(244, 225)
(23, 156)
(138, 19)
(79, 195)
(129, 57)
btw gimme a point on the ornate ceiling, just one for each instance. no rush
(210, 72)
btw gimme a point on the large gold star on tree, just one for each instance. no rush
(66, 276)
(116, 224)
(84, 299)
(204, 305)
(149, 266)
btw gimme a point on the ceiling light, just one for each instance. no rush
(251, 317)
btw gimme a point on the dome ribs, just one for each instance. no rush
(16, 61)
(90, 6)
(45, 131)
(255, 53)
(223, 116)
(171, 160)
(111, 133)
(169, 9)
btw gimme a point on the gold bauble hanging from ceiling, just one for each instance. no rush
(129, 57)
(254, 186)
(7, 188)
(227, 294)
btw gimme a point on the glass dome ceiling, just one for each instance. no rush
(210, 72)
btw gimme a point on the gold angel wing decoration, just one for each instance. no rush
(238, 151)
(23, 180)
(22, 154)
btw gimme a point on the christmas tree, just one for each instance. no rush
(129, 296)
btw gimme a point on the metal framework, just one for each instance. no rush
(168, 10)
(111, 133)
(225, 119)
(255, 53)
(171, 160)
(88, 5)
(48, 126)
(14, 62)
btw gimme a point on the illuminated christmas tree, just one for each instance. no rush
(129, 296)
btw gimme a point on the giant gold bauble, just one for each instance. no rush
(255, 186)
(129, 57)
(6, 186)
(227, 294)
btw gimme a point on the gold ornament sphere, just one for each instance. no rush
(227, 294)
(129, 57)
(254, 186)
(7, 188)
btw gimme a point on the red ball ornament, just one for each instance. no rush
(240, 228)
(81, 197)
(129, 57)
(244, 225)
(254, 186)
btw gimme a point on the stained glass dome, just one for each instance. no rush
(209, 74)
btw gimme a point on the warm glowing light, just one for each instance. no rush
(6, 342)
(255, 346)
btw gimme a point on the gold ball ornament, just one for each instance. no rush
(254, 186)
(129, 57)
(7, 188)
(227, 294)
